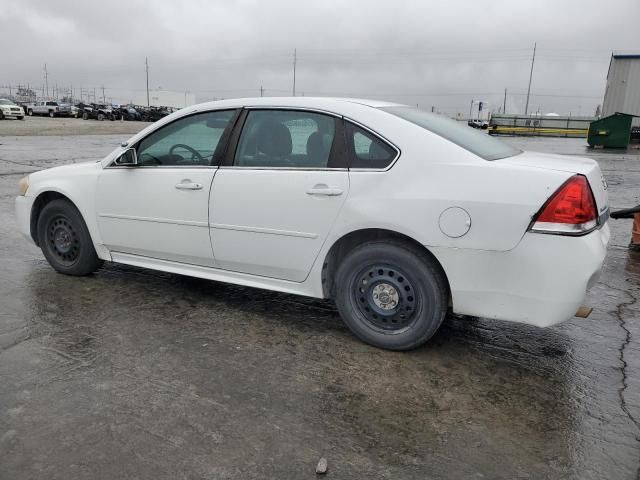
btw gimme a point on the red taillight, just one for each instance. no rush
(570, 210)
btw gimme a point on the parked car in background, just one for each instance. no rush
(49, 108)
(481, 124)
(10, 109)
(153, 114)
(96, 111)
(394, 213)
(128, 112)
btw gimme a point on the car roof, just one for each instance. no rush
(300, 102)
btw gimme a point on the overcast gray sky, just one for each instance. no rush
(431, 53)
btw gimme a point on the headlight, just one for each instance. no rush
(23, 185)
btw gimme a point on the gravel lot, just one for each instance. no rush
(132, 373)
(67, 126)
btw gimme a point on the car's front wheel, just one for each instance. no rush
(51, 114)
(391, 294)
(65, 240)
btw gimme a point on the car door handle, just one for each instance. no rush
(322, 189)
(189, 186)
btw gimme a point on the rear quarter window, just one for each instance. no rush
(481, 144)
(367, 150)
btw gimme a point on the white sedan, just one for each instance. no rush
(394, 213)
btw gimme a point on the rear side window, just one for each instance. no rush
(286, 139)
(462, 135)
(367, 150)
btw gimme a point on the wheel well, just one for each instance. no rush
(37, 207)
(340, 249)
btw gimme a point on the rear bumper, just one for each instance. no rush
(23, 215)
(540, 282)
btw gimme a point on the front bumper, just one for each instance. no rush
(13, 113)
(23, 215)
(542, 281)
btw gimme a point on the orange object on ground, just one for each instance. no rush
(635, 230)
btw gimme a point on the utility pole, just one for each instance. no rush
(295, 59)
(146, 64)
(470, 108)
(533, 59)
(46, 78)
(261, 91)
(103, 99)
(504, 102)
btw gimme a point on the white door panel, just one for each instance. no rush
(156, 212)
(273, 222)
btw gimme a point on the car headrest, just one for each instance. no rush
(273, 139)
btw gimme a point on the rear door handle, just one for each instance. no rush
(187, 185)
(322, 189)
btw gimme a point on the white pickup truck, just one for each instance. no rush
(50, 108)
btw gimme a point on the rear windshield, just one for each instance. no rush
(459, 133)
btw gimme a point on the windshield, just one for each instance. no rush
(6, 102)
(472, 140)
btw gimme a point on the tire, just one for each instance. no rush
(65, 240)
(1, 116)
(51, 114)
(21, 118)
(101, 116)
(30, 112)
(391, 295)
(85, 116)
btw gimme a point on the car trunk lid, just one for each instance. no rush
(580, 165)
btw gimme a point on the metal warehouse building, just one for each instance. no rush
(623, 85)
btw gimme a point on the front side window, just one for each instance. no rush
(190, 141)
(367, 150)
(285, 138)
(470, 139)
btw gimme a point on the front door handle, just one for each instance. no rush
(188, 185)
(322, 189)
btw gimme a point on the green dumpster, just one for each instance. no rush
(613, 131)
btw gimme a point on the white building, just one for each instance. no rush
(623, 85)
(165, 98)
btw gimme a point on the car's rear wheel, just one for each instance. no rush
(101, 116)
(391, 295)
(85, 116)
(65, 240)
(30, 113)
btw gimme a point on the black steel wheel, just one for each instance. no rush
(65, 240)
(385, 296)
(391, 294)
(62, 240)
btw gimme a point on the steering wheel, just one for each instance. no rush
(194, 152)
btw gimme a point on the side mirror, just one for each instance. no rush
(128, 158)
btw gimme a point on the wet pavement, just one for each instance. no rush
(132, 373)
